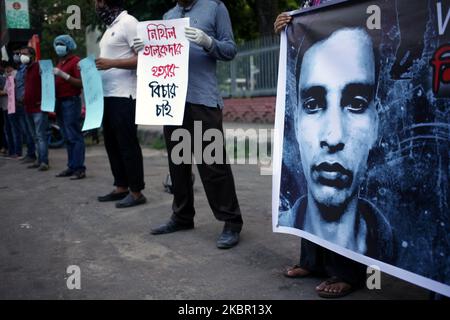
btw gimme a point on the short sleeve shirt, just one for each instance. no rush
(117, 43)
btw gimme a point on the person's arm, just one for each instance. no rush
(73, 80)
(105, 64)
(223, 47)
(281, 22)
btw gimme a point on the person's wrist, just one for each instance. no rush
(208, 44)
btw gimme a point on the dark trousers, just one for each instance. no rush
(3, 143)
(321, 261)
(217, 178)
(8, 133)
(121, 143)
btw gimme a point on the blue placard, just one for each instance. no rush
(93, 93)
(48, 86)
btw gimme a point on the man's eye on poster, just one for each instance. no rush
(363, 126)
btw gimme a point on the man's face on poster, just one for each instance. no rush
(337, 121)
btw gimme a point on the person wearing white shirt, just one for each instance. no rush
(117, 63)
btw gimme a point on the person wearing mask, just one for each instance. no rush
(37, 119)
(117, 63)
(68, 105)
(18, 120)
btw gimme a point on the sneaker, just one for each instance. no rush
(43, 167)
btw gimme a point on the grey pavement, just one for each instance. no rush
(48, 224)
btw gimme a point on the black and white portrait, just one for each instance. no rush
(363, 165)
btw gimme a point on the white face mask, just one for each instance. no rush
(25, 59)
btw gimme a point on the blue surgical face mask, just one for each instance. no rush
(61, 51)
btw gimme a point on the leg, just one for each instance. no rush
(8, 132)
(41, 125)
(16, 145)
(217, 178)
(27, 131)
(130, 151)
(2, 132)
(60, 120)
(183, 193)
(183, 211)
(311, 257)
(71, 114)
(346, 275)
(112, 147)
(348, 270)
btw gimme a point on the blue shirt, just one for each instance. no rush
(212, 17)
(20, 82)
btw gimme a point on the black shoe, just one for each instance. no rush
(228, 239)
(170, 227)
(78, 175)
(65, 173)
(27, 160)
(113, 196)
(130, 201)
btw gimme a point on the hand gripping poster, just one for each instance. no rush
(361, 154)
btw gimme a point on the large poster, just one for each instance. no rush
(162, 72)
(361, 160)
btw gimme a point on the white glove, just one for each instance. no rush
(199, 37)
(60, 73)
(138, 44)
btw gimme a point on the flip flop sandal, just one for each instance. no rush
(334, 295)
(293, 272)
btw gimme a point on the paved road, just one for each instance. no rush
(48, 224)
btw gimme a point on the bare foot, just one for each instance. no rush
(333, 288)
(296, 272)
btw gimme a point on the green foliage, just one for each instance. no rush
(49, 17)
(250, 18)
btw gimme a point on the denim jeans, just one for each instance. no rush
(38, 122)
(68, 112)
(25, 130)
(15, 139)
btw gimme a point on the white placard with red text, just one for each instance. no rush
(162, 72)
